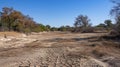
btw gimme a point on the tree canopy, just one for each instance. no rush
(13, 20)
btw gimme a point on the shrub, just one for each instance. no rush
(87, 30)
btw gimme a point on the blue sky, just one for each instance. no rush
(61, 12)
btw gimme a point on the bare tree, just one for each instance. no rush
(115, 11)
(82, 21)
(82, 24)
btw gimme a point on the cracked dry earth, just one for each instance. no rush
(56, 49)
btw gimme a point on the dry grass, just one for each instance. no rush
(15, 34)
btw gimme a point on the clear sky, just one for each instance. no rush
(61, 12)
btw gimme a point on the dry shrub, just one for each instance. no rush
(114, 32)
(88, 30)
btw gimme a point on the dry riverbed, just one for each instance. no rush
(58, 49)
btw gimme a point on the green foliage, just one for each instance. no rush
(48, 27)
(65, 28)
(13, 20)
(62, 28)
(108, 24)
(101, 25)
(54, 29)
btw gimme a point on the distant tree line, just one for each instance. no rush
(13, 20)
